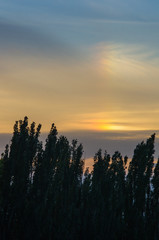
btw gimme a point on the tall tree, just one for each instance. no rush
(138, 187)
(100, 195)
(117, 195)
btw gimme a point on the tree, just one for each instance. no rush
(45, 193)
(138, 189)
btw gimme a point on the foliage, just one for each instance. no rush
(46, 194)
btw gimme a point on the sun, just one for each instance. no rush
(112, 127)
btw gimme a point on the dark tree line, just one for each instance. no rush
(45, 193)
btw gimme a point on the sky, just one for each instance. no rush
(89, 66)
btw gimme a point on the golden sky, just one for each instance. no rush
(87, 66)
(114, 88)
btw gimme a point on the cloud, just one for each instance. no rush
(135, 11)
(132, 75)
(111, 141)
(28, 39)
(121, 10)
(116, 87)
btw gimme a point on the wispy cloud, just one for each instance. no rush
(111, 9)
(22, 38)
(116, 87)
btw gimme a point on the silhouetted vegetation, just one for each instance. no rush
(45, 193)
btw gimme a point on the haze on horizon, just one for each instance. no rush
(88, 66)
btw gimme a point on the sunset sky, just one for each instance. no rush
(92, 67)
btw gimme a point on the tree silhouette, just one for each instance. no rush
(46, 194)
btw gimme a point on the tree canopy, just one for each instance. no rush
(45, 193)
